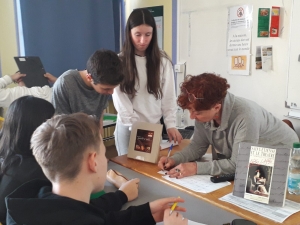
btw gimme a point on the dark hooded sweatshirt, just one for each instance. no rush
(34, 204)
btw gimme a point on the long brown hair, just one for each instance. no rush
(153, 56)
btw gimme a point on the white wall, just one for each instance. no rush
(202, 30)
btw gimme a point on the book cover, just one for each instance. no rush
(144, 143)
(261, 173)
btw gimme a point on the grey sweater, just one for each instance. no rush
(71, 95)
(242, 121)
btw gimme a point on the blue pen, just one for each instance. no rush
(170, 149)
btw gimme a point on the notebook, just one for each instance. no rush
(33, 68)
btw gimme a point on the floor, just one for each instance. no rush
(111, 151)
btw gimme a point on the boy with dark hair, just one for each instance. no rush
(88, 90)
(67, 201)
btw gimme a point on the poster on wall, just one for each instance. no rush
(157, 12)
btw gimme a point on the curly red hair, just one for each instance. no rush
(209, 86)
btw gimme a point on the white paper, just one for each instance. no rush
(194, 223)
(108, 122)
(278, 214)
(266, 58)
(239, 42)
(198, 183)
(240, 17)
(166, 144)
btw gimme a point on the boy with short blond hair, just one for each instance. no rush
(70, 150)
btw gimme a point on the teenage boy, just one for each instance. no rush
(88, 90)
(67, 200)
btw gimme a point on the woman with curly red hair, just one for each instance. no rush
(222, 120)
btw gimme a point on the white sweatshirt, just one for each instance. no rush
(7, 96)
(144, 107)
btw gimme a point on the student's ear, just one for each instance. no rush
(89, 77)
(92, 162)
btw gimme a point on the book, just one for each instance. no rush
(144, 143)
(261, 173)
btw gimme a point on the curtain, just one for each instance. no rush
(64, 33)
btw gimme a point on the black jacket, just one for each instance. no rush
(34, 204)
(18, 174)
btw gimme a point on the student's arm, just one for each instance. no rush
(60, 97)
(7, 96)
(124, 107)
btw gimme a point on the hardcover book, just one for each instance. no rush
(261, 173)
(144, 141)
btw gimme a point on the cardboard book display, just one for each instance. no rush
(144, 142)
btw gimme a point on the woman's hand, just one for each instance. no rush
(131, 188)
(174, 134)
(174, 219)
(159, 206)
(165, 163)
(183, 170)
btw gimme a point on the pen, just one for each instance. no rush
(173, 207)
(169, 152)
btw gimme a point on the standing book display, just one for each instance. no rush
(144, 141)
(261, 173)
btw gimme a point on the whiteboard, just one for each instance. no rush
(293, 84)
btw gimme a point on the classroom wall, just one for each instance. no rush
(8, 39)
(202, 33)
(133, 4)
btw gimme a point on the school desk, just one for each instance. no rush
(150, 171)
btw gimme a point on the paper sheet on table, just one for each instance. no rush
(194, 223)
(198, 183)
(278, 214)
(108, 122)
(166, 144)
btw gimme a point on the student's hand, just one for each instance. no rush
(131, 188)
(165, 163)
(183, 170)
(159, 206)
(174, 134)
(174, 219)
(50, 77)
(21, 84)
(17, 77)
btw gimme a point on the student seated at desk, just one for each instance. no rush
(8, 95)
(70, 150)
(18, 165)
(222, 120)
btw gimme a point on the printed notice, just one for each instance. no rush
(240, 17)
(239, 42)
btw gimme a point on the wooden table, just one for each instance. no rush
(151, 170)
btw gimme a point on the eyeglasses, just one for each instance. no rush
(191, 96)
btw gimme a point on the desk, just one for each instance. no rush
(150, 190)
(150, 170)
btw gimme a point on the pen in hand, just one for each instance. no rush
(173, 207)
(169, 152)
